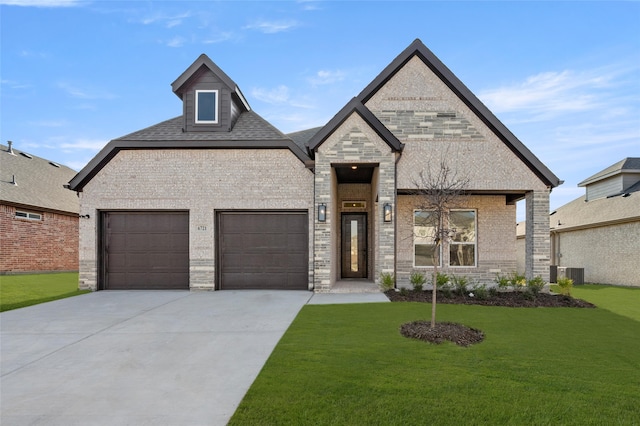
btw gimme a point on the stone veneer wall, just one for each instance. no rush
(495, 233)
(353, 142)
(537, 242)
(200, 181)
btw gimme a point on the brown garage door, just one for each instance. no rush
(263, 250)
(145, 250)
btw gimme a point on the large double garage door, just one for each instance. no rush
(254, 250)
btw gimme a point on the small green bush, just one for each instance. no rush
(480, 292)
(443, 284)
(387, 281)
(502, 281)
(460, 284)
(417, 280)
(535, 285)
(565, 284)
(517, 281)
(404, 291)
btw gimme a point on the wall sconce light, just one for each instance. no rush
(386, 212)
(85, 216)
(322, 212)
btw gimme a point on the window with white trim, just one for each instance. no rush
(28, 215)
(424, 246)
(462, 246)
(207, 106)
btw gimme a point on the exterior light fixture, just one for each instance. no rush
(386, 212)
(322, 212)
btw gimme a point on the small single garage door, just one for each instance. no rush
(263, 250)
(145, 250)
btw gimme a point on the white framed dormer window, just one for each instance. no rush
(28, 215)
(207, 106)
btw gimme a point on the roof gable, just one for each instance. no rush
(418, 49)
(355, 106)
(628, 165)
(192, 73)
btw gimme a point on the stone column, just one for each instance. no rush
(537, 240)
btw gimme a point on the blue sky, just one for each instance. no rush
(563, 76)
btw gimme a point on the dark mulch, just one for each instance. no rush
(457, 333)
(509, 299)
(461, 334)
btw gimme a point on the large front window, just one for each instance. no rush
(461, 229)
(424, 233)
(207, 106)
(462, 247)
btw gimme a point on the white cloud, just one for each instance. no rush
(218, 38)
(169, 21)
(327, 77)
(549, 92)
(12, 84)
(177, 41)
(76, 91)
(83, 144)
(272, 27)
(276, 96)
(41, 3)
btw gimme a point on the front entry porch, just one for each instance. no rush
(354, 286)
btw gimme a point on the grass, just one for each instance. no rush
(18, 291)
(614, 299)
(349, 365)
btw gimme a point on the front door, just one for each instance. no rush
(354, 245)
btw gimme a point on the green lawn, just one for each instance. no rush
(17, 291)
(349, 365)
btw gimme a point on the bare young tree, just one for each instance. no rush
(439, 189)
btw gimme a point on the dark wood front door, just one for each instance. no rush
(354, 245)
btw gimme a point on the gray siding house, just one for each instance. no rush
(217, 198)
(599, 232)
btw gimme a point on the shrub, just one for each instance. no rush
(480, 292)
(387, 281)
(535, 285)
(404, 291)
(517, 281)
(502, 281)
(417, 280)
(443, 284)
(460, 284)
(565, 284)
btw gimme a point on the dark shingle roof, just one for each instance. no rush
(39, 183)
(250, 126)
(628, 165)
(250, 132)
(302, 137)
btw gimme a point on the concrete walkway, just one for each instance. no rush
(142, 357)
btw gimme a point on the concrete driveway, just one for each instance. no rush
(139, 357)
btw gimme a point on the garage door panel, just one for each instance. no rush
(146, 250)
(266, 250)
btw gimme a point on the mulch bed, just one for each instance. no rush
(508, 298)
(465, 336)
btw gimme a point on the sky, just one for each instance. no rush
(564, 77)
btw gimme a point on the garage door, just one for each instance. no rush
(145, 250)
(263, 250)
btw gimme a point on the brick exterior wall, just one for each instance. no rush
(605, 253)
(435, 125)
(200, 181)
(353, 142)
(537, 241)
(50, 244)
(495, 240)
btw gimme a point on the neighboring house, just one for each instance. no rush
(600, 231)
(217, 198)
(38, 216)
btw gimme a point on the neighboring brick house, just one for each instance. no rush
(599, 232)
(38, 216)
(217, 198)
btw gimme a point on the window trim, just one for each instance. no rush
(475, 240)
(25, 215)
(216, 107)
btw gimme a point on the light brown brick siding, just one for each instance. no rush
(200, 181)
(50, 244)
(496, 239)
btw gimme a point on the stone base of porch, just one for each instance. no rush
(355, 286)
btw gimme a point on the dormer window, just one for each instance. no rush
(207, 106)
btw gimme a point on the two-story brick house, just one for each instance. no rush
(217, 198)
